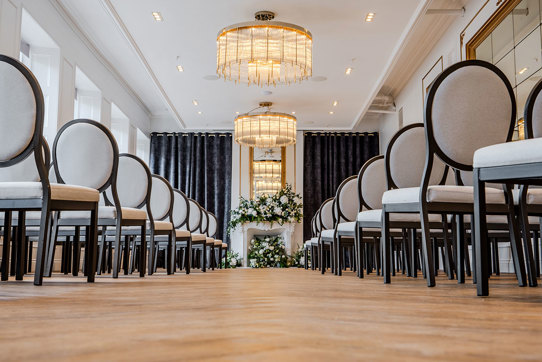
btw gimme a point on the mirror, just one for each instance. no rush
(267, 168)
(513, 42)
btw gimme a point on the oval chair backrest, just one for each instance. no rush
(21, 113)
(533, 112)
(347, 200)
(469, 106)
(85, 153)
(161, 202)
(372, 183)
(204, 224)
(405, 159)
(327, 220)
(134, 182)
(194, 217)
(26, 170)
(213, 225)
(181, 209)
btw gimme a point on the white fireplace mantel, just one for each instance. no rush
(249, 230)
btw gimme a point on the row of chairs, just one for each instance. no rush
(414, 206)
(84, 190)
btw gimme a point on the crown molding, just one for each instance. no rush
(108, 6)
(64, 13)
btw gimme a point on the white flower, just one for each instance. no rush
(233, 262)
(250, 211)
(284, 199)
(261, 251)
(271, 247)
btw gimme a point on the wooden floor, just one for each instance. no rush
(267, 314)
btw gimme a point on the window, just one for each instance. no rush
(42, 56)
(143, 145)
(120, 127)
(88, 98)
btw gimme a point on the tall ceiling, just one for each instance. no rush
(146, 52)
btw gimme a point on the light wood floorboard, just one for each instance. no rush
(268, 314)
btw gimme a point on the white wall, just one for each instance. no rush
(75, 51)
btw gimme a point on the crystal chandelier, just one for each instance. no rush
(267, 170)
(264, 52)
(265, 129)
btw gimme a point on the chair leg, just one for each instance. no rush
(536, 251)
(143, 251)
(515, 241)
(460, 249)
(188, 261)
(170, 262)
(51, 246)
(152, 248)
(6, 245)
(413, 253)
(30, 252)
(91, 245)
(132, 253)
(75, 250)
(101, 251)
(528, 246)
(118, 249)
(21, 249)
(426, 247)
(385, 241)
(42, 240)
(480, 236)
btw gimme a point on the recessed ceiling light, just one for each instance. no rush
(523, 70)
(199, 112)
(348, 71)
(157, 16)
(369, 17)
(195, 102)
(335, 103)
(180, 68)
(330, 112)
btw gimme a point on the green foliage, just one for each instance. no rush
(283, 207)
(266, 252)
(232, 260)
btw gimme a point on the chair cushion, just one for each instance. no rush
(328, 234)
(218, 243)
(441, 193)
(30, 215)
(224, 245)
(209, 241)
(33, 190)
(509, 153)
(348, 227)
(198, 237)
(182, 233)
(107, 212)
(161, 225)
(376, 216)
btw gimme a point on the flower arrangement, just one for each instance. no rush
(266, 252)
(298, 258)
(283, 207)
(232, 260)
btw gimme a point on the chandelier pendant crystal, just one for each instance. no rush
(265, 129)
(264, 52)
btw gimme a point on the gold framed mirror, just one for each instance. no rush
(511, 39)
(267, 170)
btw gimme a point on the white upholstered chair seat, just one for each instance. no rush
(33, 190)
(327, 234)
(198, 237)
(107, 212)
(348, 227)
(509, 153)
(30, 215)
(161, 225)
(182, 233)
(376, 216)
(441, 193)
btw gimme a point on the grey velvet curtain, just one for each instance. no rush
(328, 159)
(200, 165)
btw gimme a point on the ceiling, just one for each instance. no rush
(146, 52)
